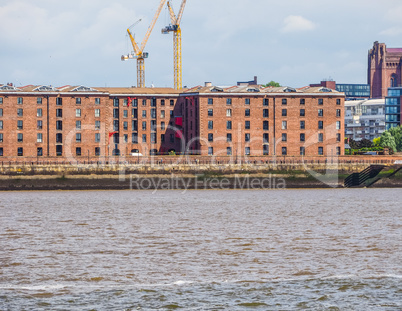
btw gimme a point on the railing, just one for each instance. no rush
(357, 179)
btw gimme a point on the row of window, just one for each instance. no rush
(265, 137)
(265, 102)
(247, 151)
(265, 112)
(116, 101)
(265, 125)
(265, 149)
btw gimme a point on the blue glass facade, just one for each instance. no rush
(354, 91)
(393, 108)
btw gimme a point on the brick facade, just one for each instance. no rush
(79, 122)
(384, 69)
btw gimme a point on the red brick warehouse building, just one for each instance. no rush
(257, 121)
(77, 122)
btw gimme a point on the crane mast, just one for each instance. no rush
(175, 28)
(139, 53)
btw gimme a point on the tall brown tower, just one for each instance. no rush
(384, 69)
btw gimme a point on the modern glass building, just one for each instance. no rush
(354, 91)
(393, 107)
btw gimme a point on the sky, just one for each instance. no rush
(293, 42)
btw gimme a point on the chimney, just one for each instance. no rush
(208, 84)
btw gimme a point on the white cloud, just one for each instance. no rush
(295, 23)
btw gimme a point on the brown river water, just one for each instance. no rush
(335, 249)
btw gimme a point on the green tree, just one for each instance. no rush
(376, 141)
(272, 83)
(396, 133)
(387, 140)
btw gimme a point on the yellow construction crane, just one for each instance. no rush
(139, 53)
(175, 27)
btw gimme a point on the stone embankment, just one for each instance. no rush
(175, 176)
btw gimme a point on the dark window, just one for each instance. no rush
(338, 112)
(210, 125)
(228, 125)
(1, 137)
(229, 150)
(134, 138)
(247, 150)
(116, 152)
(338, 101)
(39, 125)
(153, 102)
(247, 101)
(144, 138)
(210, 137)
(59, 138)
(338, 150)
(320, 101)
(302, 137)
(284, 137)
(97, 137)
(210, 112)
(78, 137)
(116, 102)
(59, 150)
(320, 112)
(265, 150)
(97, 151)
(59, 101)
(265, 113)
(144, 113)
(19, 101)
(210, 150)
(228, 137)
(265, 102)
(20, 125)
(134, 125)
(39, 100)
(125, 125)
(134, 113)
(20, 151)
(247, 125)
(228, 101)
(78, 151)
(284, 151)
(265, 125)
(210, 101)
(59, 125)
(265, 138)
(338, 137)
(247, 112)
(78, 125)
(1, 112)
(320, 137)
(97, 125)
(302, 101)
(284, 101)
(97, 102)
(78, 101)
(320, 150)
(153, 113)
(302, 151)
(302, 112)
(135, 102)
(144, 102)
(20, 112)
(162, 102)
(247, 137)
(1, 152)
(284, 112)
(144, 125)
(116, 113)
(302, 125)
(153, 125)
(116, 125)
(320, 125)
(171, 102)
(59, 113)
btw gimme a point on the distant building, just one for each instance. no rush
(354, 91)
(245, 83)
(364, 119)
(393, 107)
(384, 69)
